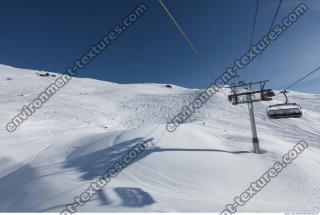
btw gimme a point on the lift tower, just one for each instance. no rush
(245, 93)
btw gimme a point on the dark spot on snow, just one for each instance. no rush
(134, 197)
(47, 74)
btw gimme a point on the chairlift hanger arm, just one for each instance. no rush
(284, 92)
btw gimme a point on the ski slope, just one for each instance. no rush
(200, 167)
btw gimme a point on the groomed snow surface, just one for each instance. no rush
(201, 167)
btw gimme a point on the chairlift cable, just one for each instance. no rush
(254, 23)
(253, 26)
(199, 58)
(184, 35)
(271, 27)
(300, 79)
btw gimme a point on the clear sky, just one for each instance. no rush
(49, 35)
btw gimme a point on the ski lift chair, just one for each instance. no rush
(285, 110)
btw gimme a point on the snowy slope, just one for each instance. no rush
(87, 125)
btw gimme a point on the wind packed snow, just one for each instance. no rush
(200, 167)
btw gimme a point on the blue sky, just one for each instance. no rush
(49, 35)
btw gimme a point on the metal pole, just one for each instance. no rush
(255, 140)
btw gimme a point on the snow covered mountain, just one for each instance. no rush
(202, 166)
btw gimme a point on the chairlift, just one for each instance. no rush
(285, 110)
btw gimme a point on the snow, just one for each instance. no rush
(200, 167)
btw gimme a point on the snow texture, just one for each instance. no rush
(200, 167)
